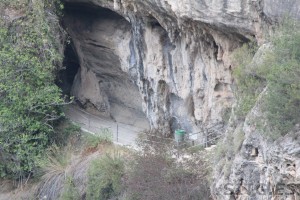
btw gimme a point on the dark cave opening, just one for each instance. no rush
(96, 63)
(71, 65)
(87, 10)
(66, 76)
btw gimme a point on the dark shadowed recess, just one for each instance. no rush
(90, 10)
(71, 65)
(71, 62)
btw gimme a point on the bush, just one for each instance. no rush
(70, 191)
(155, 173)
(278, 68)
(29, 100)
(248, 82)
(282, 103)
(105, 177)
(66, 131)
(54, 172)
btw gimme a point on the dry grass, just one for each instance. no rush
(9, 190)
(58, 166)
(62, 165)
(55, 167)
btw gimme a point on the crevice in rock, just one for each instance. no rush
(71, 65)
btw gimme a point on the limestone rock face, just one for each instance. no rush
(172, 65)
(102, 41)
(171, 57)
(275, 9)
(169, 61)
(261, 169)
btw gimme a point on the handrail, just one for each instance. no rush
(118, 125)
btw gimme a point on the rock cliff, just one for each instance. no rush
(258, 168)
(170, 58)
(169, 61)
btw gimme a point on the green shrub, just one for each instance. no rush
(105, 136)
(230, 145)
(70, 192)
(105, 177)
(227, 168)
(238, 139)
(66, 131)
(29, 99)
(282, 103)
(16, 4)
(220, 150)
(278, 68)
(54, 172)
(226, 112)
(248, 82)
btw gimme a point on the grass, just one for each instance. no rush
(103, 137)
(64, 169)
(105, 177)
(54, 168)
(70, 191)
(225, 150)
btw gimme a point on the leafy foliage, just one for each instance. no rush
(249, 84)
(104, 177)
(282, 102)
(70, 191)
(29, 100)
(278, 69)
(105, 136)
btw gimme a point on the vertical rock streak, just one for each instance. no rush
(171, 60)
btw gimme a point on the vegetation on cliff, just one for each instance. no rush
(275, 66)
(29, 99)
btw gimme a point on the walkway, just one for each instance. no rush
(123, 134)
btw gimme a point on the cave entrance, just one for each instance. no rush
(71, 65)
(102, 46)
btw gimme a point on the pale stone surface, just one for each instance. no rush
(174, 51)
(276, 8)
(102, 80)
(171, 59)
(182, 70)
(272, 173)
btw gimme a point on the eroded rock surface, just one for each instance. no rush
(261, 169)
(170, 59)
(176, 52)
(179, 63)
(102, 42)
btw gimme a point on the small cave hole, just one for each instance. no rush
(219, 87)
(254, 152)
(71, 65)
(216, 49)
(153, 22)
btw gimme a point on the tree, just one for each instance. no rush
(29, 99)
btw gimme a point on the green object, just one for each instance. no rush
(179, 135)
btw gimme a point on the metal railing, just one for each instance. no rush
(125, 134)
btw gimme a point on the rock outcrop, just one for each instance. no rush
(260, 169)
(170, 60)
